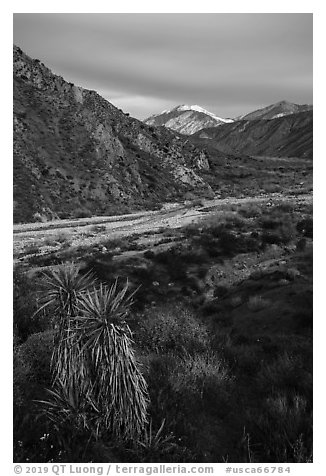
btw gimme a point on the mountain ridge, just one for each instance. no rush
(74, 152)
(189, 119)
(287, 136)
(186, 119)
(273, 111)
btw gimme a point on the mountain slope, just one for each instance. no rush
(76, 154)
(280, 109)
(186, 119)
(288, 136)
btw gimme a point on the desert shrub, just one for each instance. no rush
(191, 230)
(256, 303)
(287, 373)
(232, 244)
(301, 244)
(61, 237)
(278, 231)
(82, 213)
(64, 215)
(98, 228)
(31, 249)
(149, 254)
(236, 301)
(50, 241)
(227, 218)
(202, 387)
(271, 223)
(36, 353)
(225, 239)
(271, 187)
(198, 202)
(21, 372)
(249, 210)
(243, 356)
(194, 393)
(283, 430)
(305, 227)
(25, 305)
(285, 207)
(228, 240)
(31, 371)
(163, 403)
(201, 377)
(172, 329)
(39, 218)
(177, 261)
(279, 225)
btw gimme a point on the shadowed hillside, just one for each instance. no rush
(75, 154)
(287, 136)
(280, 109)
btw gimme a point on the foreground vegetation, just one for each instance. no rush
(217, 345)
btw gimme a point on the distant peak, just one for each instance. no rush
(196, 108)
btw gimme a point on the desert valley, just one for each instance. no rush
(162, 279)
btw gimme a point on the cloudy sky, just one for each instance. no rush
(229, 64)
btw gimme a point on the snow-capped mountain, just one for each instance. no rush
(186, 119)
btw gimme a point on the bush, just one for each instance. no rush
(281, 233)
(250, 210)
(201, 376)
(305, 227)
(98, 228)
(284, 430)
(82, 213)
(149, 254)
(286, 207)
(286, 373)
(301, 244)
(25, 305)
(193, 393)
(246, 357)
(61, 237)
(33, 359)
(257, 303)
(31, 372)
(31, 249)
(177, 261)
(172, 328)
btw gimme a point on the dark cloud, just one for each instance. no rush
(227, 63)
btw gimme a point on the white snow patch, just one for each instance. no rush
(186, 107)
(281, 114)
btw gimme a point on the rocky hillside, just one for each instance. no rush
(280, 109)
(75, 154)
(186, 119)
(287, 136)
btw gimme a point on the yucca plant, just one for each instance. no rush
(62, 288)
(119, 389)
(93, 363)
(73, 415)
(152, 447)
